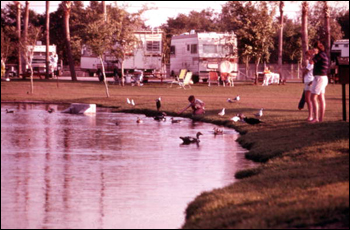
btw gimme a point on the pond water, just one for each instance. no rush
(70, 171)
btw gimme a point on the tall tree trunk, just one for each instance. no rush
(18, 4)
(280, 38)
(328, 28)
(104, 9)
(25, 32)
(304, 31)
(47, 40)
(67, 8)
(104, 76)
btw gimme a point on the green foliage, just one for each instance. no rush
(253, 25)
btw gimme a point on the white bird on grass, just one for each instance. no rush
(260, 113)
(128, 101)
(222, 113)
(236, 118)
(132, 102)
(238, 98)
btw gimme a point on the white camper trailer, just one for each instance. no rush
(147, 56)
(340, 48)
(201, 53)
(39, 58)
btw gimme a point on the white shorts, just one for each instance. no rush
(307, 86)
(319, 85)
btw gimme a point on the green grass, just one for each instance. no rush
(303, 181)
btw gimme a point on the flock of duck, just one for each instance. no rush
(188, 139)
(216, 131)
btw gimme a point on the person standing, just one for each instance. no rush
(53, 63)
(308, 79)
(3, 68)
(318, 88)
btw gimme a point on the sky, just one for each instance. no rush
(165, 9)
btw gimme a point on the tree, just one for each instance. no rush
(47, 39)
(328, 28)
(124, 41)
(253, 25)
(18, 5)
(280, 37)
(304, 30)
(28, 47)
(343, 20)
(67, 8)
(99, 39)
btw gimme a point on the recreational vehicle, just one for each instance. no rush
(202, 53)
(340, 48)
(146, 57)
(39, 58)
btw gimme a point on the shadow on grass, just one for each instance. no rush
(267, 144)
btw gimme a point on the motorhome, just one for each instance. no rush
(146, 57)
(340, 48)
(202, 53)
(39, 58)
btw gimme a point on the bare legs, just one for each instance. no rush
(309, 105)
(319, 107)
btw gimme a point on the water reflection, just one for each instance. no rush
(66, 171)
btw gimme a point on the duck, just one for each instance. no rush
(160, 117)
(237, 98)
(260, 113)
(158, 103)
(222, 113)
(191, 140)
(251, 121)
(139, 121)
(175, 121)
(218, 131)
(229, 100)
(51, 110)
(10, 111)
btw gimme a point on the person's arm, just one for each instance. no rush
(185, 109)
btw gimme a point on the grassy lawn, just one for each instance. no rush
(303, 181)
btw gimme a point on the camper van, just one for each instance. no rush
(39, 58)
(202, 53)
(146, 57)
(340, 48)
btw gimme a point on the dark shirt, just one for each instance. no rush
(321, 64)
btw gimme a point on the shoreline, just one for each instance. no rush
(303, 180)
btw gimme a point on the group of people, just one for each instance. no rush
(316, 81)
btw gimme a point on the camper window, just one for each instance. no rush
(172, 50)
(194, 49)
(210, 49)
(153, 46)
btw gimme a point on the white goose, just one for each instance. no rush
(222, 113)
(260, 113)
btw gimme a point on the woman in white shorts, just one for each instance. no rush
(318, 88)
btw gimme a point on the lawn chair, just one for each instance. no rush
(187, 81)
(179, 80)
(213, 76)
